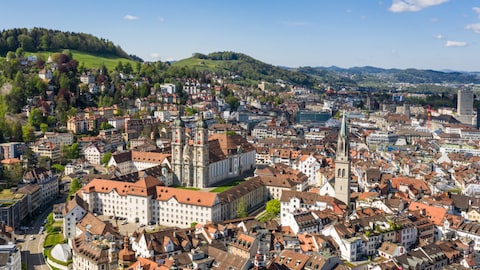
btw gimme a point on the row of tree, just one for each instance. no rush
(41, 39)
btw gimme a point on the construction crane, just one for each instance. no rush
(429, 112)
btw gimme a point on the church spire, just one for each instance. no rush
(342, 164)
(343, 128)
(343, 148)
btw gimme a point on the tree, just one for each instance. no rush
(106, 157)
(242, 209)
(190, 111)
(232, 101)
(58, 167)
(75, 185)
(273, 206)
(44, 127)
(30, 158)
(35, 117)
(28, 133)
(105, 125)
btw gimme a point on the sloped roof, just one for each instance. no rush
(193, 197)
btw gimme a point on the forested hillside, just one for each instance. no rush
(41, 39)
(248, 68)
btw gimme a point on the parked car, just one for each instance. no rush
(32, 237)
(124, 222)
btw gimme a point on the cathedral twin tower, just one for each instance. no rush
(190, 162)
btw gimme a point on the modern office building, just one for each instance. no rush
(465, 106)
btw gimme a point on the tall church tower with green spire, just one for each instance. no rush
(342, 165)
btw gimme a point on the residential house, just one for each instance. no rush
(73, 212)
(47, 149)
(13, 170)
(59, 139)
(45, 74)
(97, 252)
(244, 245)
(280, 177)
(10, 257)
(33, 192)
(77, 125)
(293, 201)
(161, 244)
(14, 208)
(46, 180)
(94, 152)
(309, 165)
(388, 250)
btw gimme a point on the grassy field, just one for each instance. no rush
(90, 60)
(52, 239)
(203, 64)
(227, 186)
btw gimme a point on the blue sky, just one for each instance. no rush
(427, 34)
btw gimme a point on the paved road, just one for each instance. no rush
(32, 248)
(33, 253)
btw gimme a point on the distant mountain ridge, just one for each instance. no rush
(381, 75)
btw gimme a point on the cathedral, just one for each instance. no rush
(201, 161)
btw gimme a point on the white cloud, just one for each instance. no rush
(348, 11)
(154, 55)
(475, 27)
(439, 36)
(476, 10)
(451, 43)
(364, 17)
(413, 5)
(161, 19)
(130, 17)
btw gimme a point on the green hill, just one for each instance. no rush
(41, 39)
(90, 60)
(248, 68)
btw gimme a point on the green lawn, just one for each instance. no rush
(52, 239)
(203, 64)
(90, 60)
(227, 186)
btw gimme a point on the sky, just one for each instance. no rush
(425, 34)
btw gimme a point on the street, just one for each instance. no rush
(32, 247)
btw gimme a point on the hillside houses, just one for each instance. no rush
(385, 184)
